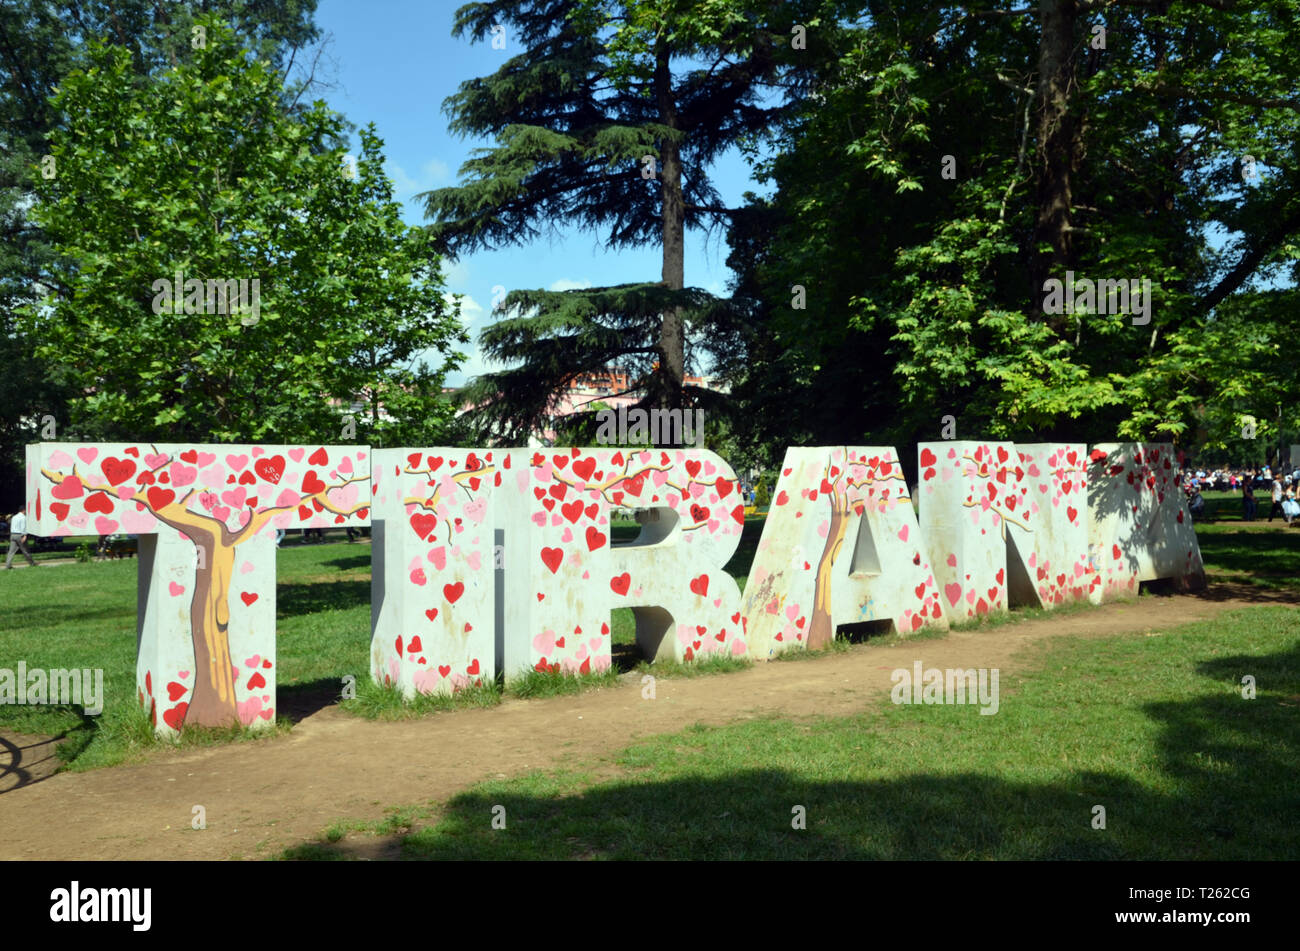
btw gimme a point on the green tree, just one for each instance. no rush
(609, 118)
(39, 43)
(200, 173)
(951, 159)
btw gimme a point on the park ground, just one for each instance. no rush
(1137, 707)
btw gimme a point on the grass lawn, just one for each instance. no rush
(83, 615)
(1155, 729)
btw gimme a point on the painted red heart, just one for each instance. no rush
(176, 716)
(311, 484)
(700, 585)
(621, 583)
(270, 468)
(59, 510)
(247, 598)
(452, 592)
(175, 691)
(583, 468)
(431, 613)
(117, 471)
(572, 510)
(424, 524)
(472, 669)
(98, 502)
(551, 558)
(318, 458)
(257, 681)
(415, 646)
(444, 669)
(723, 487)
(159, 498)
(595, 538)
(928, 458)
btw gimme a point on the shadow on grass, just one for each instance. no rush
(293, 600)
(1228, 790)
(299, 701)
(350, 563)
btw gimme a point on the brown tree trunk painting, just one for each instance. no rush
(821, 627)
(213, 700)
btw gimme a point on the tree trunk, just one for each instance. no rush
(1058, 144)
(213, 701)
(821, 629)
(672, 334)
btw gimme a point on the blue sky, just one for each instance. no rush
(395, 62)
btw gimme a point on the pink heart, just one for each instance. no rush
(296, 454)
(88, 454)
(183, 674)
(246, 567)
(182, 474)
(105, 526)
(176, 590)
(902, 533)
(237, 462)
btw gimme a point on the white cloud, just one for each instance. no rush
(569, 284)
(432, 174)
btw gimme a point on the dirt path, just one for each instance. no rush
(263, 796)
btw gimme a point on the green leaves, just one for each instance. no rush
(214, 182)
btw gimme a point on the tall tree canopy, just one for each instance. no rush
(40, 42)
(1105, 138)
(199, 172)
(609, 118)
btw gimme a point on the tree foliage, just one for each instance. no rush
(925, 292)
(201, 172)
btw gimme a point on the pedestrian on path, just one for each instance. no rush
(1277, 500)
(18, 540)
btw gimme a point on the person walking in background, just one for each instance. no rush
(1277, 499)
(18, 540)
(1248, 498)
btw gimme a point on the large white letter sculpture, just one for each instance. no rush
(804, 584)
(1047, 554)
(1139, 527)
(206, 630)
(969, 492)
(432, 573)
(502, 561)
(444, 617)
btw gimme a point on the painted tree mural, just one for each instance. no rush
(806, 581)
(219, 498)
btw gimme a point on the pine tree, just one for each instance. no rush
(609, 118)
